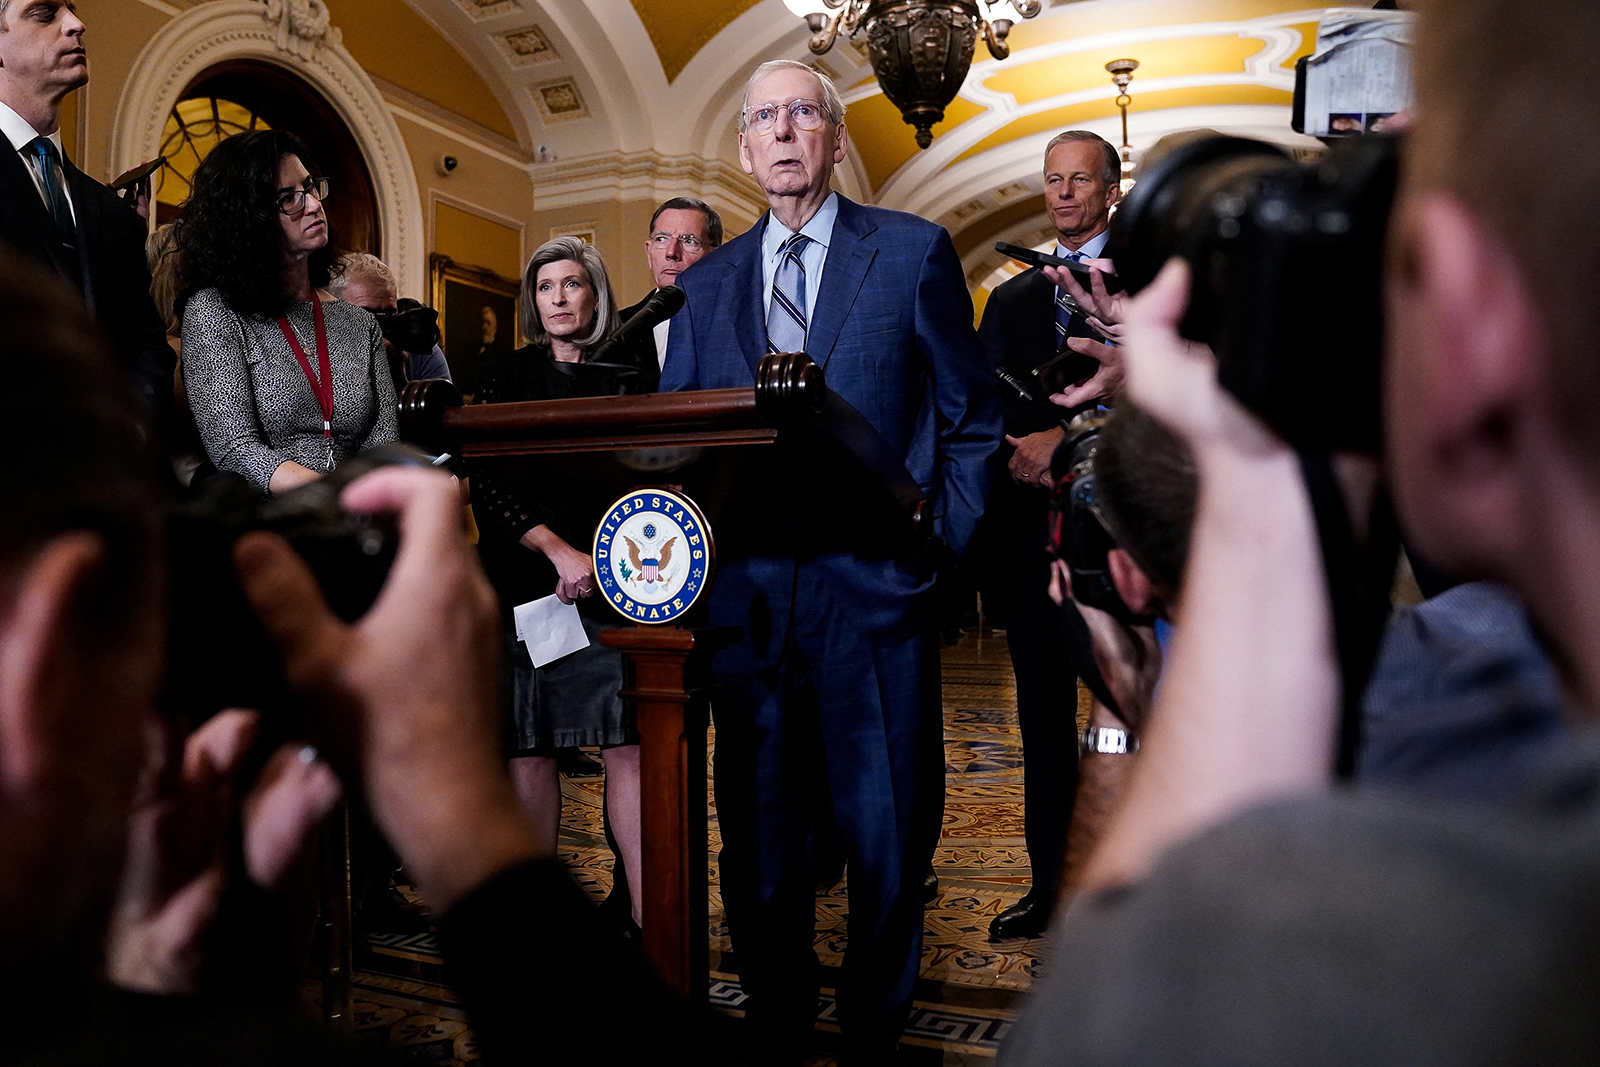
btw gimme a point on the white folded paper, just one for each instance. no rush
(550, 629)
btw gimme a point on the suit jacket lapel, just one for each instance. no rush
(35, 233)
(1040, 313)
(842, 274)
(742, 288)
(86, 210)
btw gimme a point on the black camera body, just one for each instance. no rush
(1081, 537)
(1287, 279)
(411, 327)
(218, 653)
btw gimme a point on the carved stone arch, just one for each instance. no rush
(295, 35)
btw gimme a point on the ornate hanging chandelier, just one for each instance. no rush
(1121, 71)
(919, 49)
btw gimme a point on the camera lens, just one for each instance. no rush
(1286, 274)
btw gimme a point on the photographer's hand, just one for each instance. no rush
(1105, 309)
(174, 874)
(1249, 704)
(406, 695)
(1107, 381)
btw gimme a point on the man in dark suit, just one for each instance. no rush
(1027, 322)
(682, 230)
(839, 666)
(54, 214)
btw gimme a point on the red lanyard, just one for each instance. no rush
(323, 388)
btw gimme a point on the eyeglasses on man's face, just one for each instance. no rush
(293, 202)
(690, 242)
(805, 115)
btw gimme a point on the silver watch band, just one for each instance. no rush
(1106, 741)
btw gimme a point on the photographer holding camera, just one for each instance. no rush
(1258, 916)
(410, 328)
(1120, 522)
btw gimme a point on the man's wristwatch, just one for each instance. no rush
(1106, 741)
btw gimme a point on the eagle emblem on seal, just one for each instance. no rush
(651, 566)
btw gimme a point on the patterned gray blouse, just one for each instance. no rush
(251, 401)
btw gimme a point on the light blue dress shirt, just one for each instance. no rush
(820, 230)
(1091, 248)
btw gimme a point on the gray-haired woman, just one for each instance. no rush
(534, 542)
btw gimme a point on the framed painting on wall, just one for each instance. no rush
(477, 318)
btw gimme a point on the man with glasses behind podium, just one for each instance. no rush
(682, 231)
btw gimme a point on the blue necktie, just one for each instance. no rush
(55, 194)
(1065, 309)
(786, 314)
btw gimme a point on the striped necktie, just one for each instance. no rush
(1065, 308)
(786, 314)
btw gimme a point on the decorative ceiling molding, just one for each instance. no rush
(644, 176)
(441, 120)
(657, 84)
(558, 101)
(478, 10)
(220, 30)
(526, 47)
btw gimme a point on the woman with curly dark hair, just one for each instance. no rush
(284, 381)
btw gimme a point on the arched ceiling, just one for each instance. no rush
(588, 78)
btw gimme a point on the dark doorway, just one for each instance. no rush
(247, 94)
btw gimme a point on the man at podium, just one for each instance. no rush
(838, 671)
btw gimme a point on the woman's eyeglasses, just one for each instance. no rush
(293, 202)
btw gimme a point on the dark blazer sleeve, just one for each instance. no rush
(119, 285)
(1018, 333)
(502, 513)
(681, 370)
(964, 392)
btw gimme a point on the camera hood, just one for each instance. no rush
(1150, 226)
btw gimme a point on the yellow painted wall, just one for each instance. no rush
(678, 31)
(70, 125)
(481, 180)
(1061, 118)
(1065, 24)
(393, 42)
(1077, 71)
(115, 31)
(882, 139)
(473, 239)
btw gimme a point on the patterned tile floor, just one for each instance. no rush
(966, 999)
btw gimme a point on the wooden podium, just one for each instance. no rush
(712, 443)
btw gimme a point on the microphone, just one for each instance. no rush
(659, 307)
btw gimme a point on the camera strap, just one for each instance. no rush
(321, 388)
(1359, 577)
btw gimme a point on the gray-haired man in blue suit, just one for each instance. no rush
(837, 677)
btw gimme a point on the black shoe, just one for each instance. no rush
(930, 886)
(1028, 917)
(617, 912)
(387, 911)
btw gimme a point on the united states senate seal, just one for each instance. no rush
(653, 555)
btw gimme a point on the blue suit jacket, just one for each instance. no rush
(892, 331)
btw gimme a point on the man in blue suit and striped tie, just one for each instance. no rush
(837, 676)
